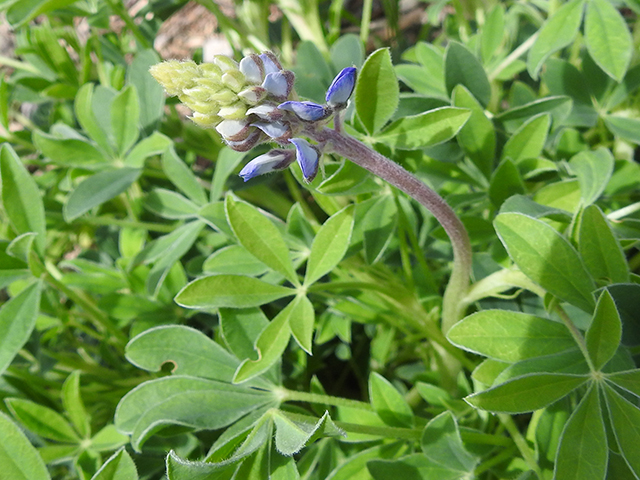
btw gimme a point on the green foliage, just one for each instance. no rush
(160, 318)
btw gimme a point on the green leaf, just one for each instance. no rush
(377, 91)
(558, 106)
(17, 319)
(461, 67)
(270, 344)
(14, 445)
(155, 144)
(505, 183)
(182, 177)
(24, 11)
(510, 336)
(241, 328)
(623, 127)
(165, 246)
(388, 403)
(21, 197)
(378, 226)
(302, 322)
(118, 467)
(547, 258)
(355, 466)
(492, 32)
(564, 195)
(260, 237)
(411, 467)
(528, 141)
(97, 189)
(625, 419)
(189, 351)
(170, 204)
(125, 114)
(629, 380)
(593, 169)
(69, 152)
(557, 32)
(293, 435)
(73, 405)
(625, 89)
(190, 402)
(347, 51)
(527, 393)
(181, 240)
(477, 137)
(570, 361)
(226, 163)
(441, 443)
(180, 469)
(108, 439)
(234, 259)
(604, 333)
(83, 107)
(607, 38)
(232, 291)
(583, 450)
(150, 92)
(329, 245)
(348, 179)
(42, 420)
(421, 79)
(426, 129)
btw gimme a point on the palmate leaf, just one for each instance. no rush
(292, 434)
(191, 402)
(260, 237)
(119, 466)
(377, 91)
(625, 419)
(547, 258)
(527, 393)
(510, 336)
(583, 450)
(389, 403)
(190, 351)
(15, 445)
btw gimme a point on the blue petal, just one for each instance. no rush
(252, 68)
(308, 111)
(267, 163)
(270, 62)
(275, 129)
(307, 157)
(341, 87)
(278, 84)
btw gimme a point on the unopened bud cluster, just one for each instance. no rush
(252, 102)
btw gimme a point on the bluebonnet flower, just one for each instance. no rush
(253, 102)
(271, 161)
(341, 88)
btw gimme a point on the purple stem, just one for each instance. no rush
(453, 307)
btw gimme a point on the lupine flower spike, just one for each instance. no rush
(253, 102)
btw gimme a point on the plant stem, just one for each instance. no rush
(452, 305)
(513, 56)
(577, 336)
(97, 316)
(294, 396)
(520, 442)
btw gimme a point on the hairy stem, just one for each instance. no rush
(452, 305)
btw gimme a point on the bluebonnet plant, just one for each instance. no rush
(254, 102)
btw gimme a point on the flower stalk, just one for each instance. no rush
(453, 305)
